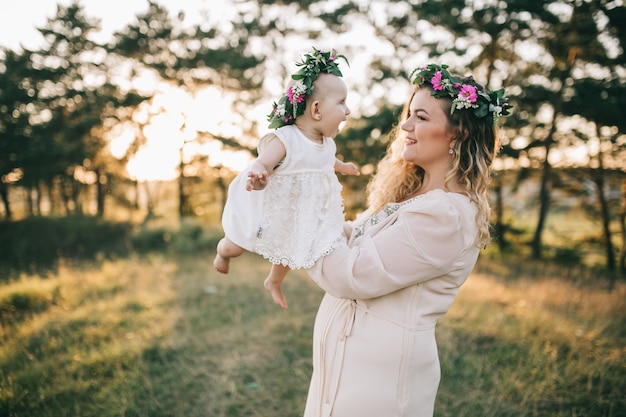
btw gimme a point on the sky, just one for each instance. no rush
(20, 18)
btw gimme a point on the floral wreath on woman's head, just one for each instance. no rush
(292, 103)
(464, 96)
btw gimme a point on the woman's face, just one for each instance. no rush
(428, 137)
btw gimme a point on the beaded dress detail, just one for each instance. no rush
(377, 217)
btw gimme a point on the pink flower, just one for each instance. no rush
(436, 81)
(468, 93)
(299, 98)
(290, 95)
(294, 95)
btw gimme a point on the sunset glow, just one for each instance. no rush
(174, 120)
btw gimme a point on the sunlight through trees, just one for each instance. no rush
(86, 125)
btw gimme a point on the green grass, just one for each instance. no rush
(535, 345)
(164, 335)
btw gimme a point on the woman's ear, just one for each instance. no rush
(459, 136)
(463, 135)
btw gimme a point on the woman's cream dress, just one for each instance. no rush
(374, 348)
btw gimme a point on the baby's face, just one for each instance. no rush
(331, 92)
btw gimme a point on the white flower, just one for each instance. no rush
(279, 110)
(495, 109)
(298, 88)
(462, 103)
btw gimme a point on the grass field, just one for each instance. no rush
(164, 335)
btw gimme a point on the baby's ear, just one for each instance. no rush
(316, 109)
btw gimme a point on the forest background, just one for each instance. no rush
(119, 147)
(82, 121)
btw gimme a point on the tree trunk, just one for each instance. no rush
(499, 227)
(66, 195)
(149, 201)
(544, 198)
(78, 190)
(622, 225)
(181, 191)
(37, 189)
(605, 213)
(136, 204)
(30, 204)
(4, 194)
(52, 202)
(101, 185)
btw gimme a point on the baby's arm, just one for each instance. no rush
(269, 157)
(349, 168)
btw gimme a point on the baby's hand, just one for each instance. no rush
(256, 181)
(350, 168)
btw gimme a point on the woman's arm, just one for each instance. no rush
(421, 244)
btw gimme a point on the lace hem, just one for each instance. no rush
(338, 242)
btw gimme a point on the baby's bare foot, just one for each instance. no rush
(276, 292)
(221, 264)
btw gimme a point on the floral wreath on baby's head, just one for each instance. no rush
(464, 96)
(292, 103)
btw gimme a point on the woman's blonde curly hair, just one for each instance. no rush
(397, 180)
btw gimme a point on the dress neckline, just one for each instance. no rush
(391, 208)
(383, 213)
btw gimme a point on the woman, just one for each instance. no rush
(374, 348)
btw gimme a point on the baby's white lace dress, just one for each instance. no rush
(298, 217)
